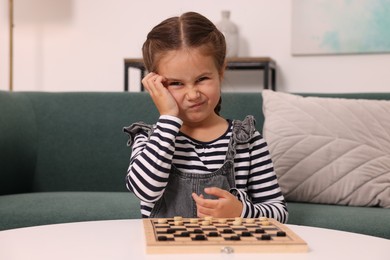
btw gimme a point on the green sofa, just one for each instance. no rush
(63, 158)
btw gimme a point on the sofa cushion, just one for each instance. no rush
(371, 221)
(329, 150)
(42, 208)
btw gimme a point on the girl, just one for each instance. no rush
(193, 162)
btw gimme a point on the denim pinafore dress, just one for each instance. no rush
(177, 199)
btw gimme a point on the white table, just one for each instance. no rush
(124, 239)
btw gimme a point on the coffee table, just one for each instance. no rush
(124, 239)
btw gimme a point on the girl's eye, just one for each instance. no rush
(174, 83)
(202, 79)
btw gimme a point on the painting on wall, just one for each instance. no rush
(340, 26)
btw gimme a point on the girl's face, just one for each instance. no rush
(194, 82)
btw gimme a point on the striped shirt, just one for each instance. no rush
(151, 159)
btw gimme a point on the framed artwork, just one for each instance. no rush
(340, 27)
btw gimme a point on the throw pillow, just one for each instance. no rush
(329, 150)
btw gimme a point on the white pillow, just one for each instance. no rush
(329, 150)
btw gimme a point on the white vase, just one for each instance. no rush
(230, 31)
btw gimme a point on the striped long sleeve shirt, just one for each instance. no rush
(151, 159)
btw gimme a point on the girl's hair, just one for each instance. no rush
(190, 30)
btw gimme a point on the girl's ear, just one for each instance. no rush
(223, 69)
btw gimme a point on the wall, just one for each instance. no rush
(69, 45)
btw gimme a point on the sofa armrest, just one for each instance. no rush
(18, 143)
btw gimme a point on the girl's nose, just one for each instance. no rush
(193, 93)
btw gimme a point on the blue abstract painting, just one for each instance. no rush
(340, 26)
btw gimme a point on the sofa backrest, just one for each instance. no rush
(73, 141)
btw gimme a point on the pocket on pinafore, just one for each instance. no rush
(220, 181)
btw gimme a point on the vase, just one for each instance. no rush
(230, 31)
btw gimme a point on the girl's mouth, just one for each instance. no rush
(197, 105)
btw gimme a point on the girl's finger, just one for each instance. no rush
(148, 82)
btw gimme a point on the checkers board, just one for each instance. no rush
(230, 235)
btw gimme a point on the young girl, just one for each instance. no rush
(193, 162)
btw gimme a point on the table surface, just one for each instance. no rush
(124, 239)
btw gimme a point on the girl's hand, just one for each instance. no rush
(162, 98)
(226, 206)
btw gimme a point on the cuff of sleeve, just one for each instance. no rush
(241, 196)
(172, 118)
